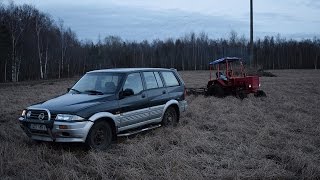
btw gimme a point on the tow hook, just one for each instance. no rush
(53, 137)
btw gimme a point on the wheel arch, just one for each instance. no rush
(111, 123)
(109, 118)
(175, 105)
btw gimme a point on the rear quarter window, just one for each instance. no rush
(170, 79)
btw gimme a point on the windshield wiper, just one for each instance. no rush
(94, 92)
(79, 92)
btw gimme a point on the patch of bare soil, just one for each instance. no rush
(274, 137)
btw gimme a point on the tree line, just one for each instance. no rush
(34, 46)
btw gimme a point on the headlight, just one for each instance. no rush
(259, 85)
(250, 86)
(69, 117)
(23, 112)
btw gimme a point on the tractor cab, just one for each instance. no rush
(228, 68)
(231, 78)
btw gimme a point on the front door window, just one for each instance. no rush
(134, 82)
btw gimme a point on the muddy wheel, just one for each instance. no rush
(216, 90)
(170, 117)
(260, 93)
(100, 136)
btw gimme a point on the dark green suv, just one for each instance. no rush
(108, 103)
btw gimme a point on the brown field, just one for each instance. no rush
(274, 137)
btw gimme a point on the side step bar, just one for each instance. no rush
(139, 131)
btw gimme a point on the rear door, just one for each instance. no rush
(157, 93)
(134, 108)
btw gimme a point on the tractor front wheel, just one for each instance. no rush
(260, 93)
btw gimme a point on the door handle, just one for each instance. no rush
(164, 92)
(143, 95)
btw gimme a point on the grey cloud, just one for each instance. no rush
(139, 24)
(133, 23)
(273, 16)
(312, 3)
(270, 16)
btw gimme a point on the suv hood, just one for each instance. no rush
(73, 103)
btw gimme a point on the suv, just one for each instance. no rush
(108, 103)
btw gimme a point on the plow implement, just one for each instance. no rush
(196, 91)
(205, 92)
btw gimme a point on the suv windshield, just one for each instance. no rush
(97, 83)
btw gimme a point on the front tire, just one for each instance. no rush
(100, 136)
(170, 117)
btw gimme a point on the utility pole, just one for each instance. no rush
(251, 34)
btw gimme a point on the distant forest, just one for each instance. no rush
(34, 46)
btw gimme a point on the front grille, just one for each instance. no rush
(36, 114)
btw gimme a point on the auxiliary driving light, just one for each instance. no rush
(23, 113)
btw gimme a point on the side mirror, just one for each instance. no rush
(68, 89)
(127, 92)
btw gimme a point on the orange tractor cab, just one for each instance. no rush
(230, 82)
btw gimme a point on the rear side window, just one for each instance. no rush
(170, 79)
(151, 81)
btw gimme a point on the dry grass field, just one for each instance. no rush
(277, 137)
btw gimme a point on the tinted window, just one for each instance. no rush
(170, 79)
(151, 81)
(133, 82)
(159, 81)
(102, 82)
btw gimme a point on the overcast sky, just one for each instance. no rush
(151, 19)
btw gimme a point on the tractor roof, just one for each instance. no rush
(223, 60)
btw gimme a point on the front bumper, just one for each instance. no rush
(71, 132)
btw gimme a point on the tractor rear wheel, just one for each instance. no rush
(216, 90)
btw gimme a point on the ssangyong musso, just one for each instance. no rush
(105, 104)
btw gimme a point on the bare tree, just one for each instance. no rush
(63, 46)
(17, 22)
(39, 25)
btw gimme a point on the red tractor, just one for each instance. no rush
(229, 82)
